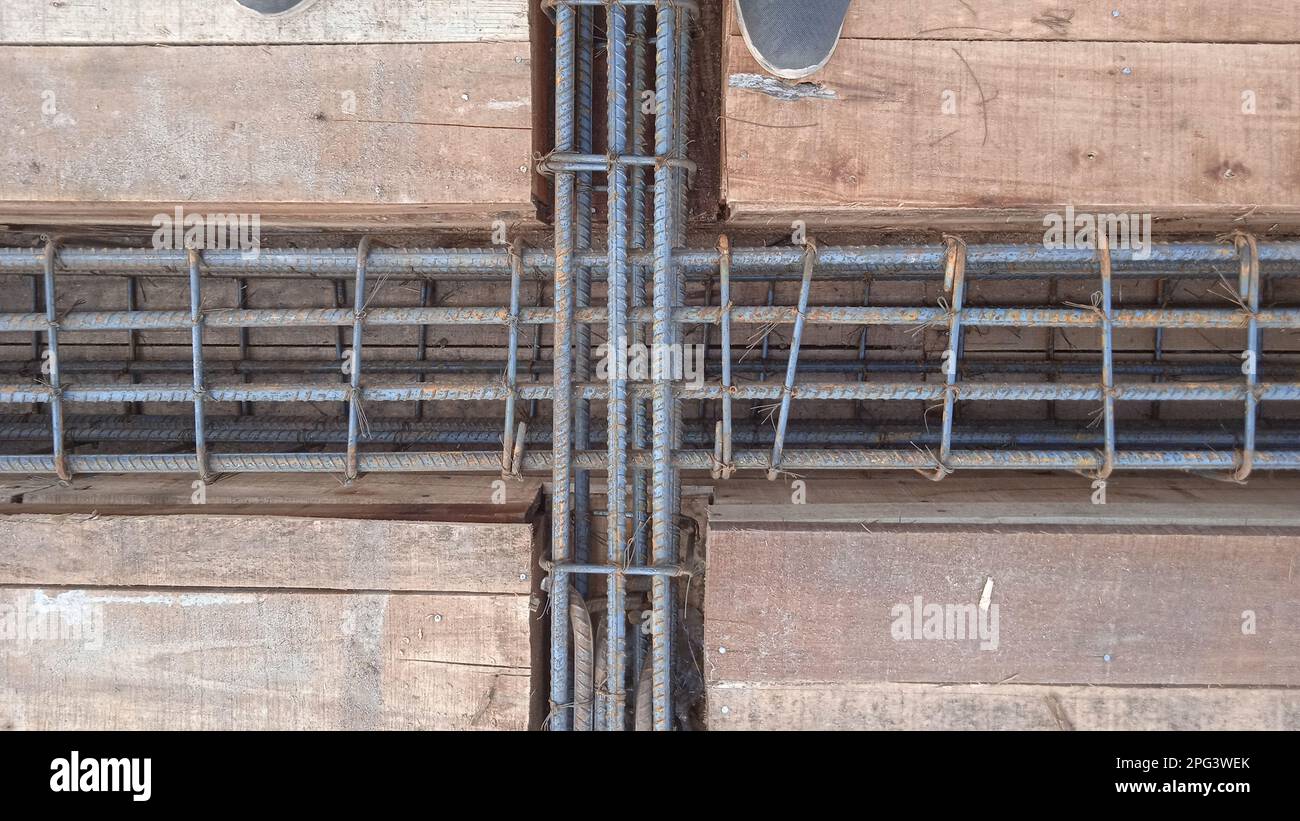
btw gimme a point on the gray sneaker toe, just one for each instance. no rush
(792, 38)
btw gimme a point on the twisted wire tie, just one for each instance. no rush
(541, 162)
(1107, 466)
(938, 473)
(511, 322)
(721, 468)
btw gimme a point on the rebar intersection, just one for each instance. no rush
(644, 266)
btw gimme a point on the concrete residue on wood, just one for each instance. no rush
(781, 89)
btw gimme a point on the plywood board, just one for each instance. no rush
(856, 604)
(424, 497)
(167, 659)
(176, 22)
(251, 551)
(999, 707)
(996, 134)
(12, 488)
(196, 620)
(985, 499)
(1159, 21)
(425, 131)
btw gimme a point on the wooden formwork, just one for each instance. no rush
(1003, 602)
(365, 115)
(965, 116)
(285, 602)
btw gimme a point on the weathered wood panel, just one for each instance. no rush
(177, 22)
(165, 659)
(1064, 606)
(431, 498)
(996, 134)
(349, 217)
(12, 488)
(256, 621)
(440, 131)
(1248, 21)
(253, 551)
(981, 499)
(998, 707)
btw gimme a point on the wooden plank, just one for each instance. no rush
(264, 551)
(164, 659)
(461, 514)
(1159, 21)
(981, 499)
(1000, 707)
(1004, 487)
(429, 497)
(199, 615)
(350, 216)
(179, 22)
(127, 132)
(1025, 222)
(1035, 126)
(470, 662)
(12, 488)
(1072, 606)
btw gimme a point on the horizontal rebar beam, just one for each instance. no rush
(458, 433)
(772, 364)
(495, 391)
(1200, 318)
(1164, 260)
(792, 461)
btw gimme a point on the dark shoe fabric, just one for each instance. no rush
(274, 6)
(792, 38)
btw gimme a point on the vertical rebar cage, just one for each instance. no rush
(627, 48)
(779, 399)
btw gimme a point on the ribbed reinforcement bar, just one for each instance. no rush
(452, 434)
(794, 459)
(1164, 260)
(1009, 317)
(497, 391)
(561, 707)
